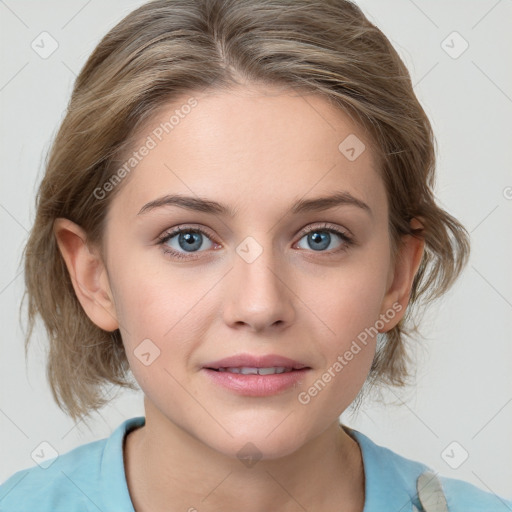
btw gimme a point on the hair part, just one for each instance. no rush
(164, 50)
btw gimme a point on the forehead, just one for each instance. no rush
(251, 145)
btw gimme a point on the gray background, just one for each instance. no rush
(464, 390)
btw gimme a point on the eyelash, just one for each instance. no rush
(347, 241)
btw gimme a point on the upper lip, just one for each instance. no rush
(250, 361)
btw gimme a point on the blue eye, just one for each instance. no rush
(319, 238)
(186, 241)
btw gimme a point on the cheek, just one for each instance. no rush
(349, 299)
(162, 318)
(350, 307)
(349, 347)
(154, 300)
(158, 332)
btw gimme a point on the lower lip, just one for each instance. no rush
(257, 385)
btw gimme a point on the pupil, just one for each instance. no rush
(191, 242)
(318, 238)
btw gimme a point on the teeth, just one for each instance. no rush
(245, 370)
(269, 371)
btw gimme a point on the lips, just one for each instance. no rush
(251, 363)
(256, 376)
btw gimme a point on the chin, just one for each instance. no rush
(264, 440)
(257, 449)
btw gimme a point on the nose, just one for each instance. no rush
(258, 294)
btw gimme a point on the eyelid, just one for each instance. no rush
(327, 226)
(172, 232)
(342, 232)
(185, 228)
(197, 227)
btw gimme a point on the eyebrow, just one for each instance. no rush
(213, 207)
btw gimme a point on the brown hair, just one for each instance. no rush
(167, 48)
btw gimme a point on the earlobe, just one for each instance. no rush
(406, 266)
(88, 274)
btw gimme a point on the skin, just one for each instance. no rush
(258, 150)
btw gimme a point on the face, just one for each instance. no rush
(266, 276)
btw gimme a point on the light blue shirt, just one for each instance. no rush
(91, 478)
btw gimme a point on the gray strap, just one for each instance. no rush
(430, 493)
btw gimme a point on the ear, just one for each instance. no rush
(401, 276)
(88, 274)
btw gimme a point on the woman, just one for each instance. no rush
(238, 210)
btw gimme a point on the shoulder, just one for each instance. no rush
(465, 497)
(67, 478)
(74, 481)
(416, 482)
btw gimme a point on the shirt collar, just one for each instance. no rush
(113, 476)
(390, 479)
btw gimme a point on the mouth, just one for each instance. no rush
(256, 375)
(246, 370)
(248, 364)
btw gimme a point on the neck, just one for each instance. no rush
(167, 467)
